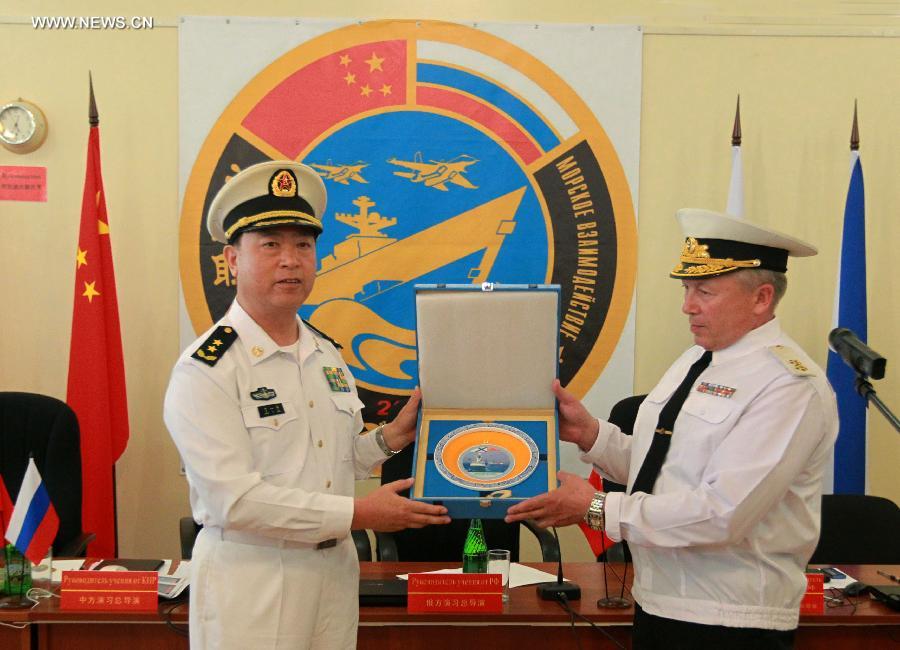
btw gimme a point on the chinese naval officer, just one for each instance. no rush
(265, 414)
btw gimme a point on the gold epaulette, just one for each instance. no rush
(212, 349)
(792, 361)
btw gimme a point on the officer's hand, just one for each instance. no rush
(567, 504)
(575, 423)
(402, 429)
(386, 511)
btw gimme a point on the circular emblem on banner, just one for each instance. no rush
(486, 456)
(449, 156)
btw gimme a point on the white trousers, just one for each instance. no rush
(246, 597)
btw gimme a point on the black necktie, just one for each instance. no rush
(656, 455)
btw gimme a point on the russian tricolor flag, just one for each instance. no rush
(34, 523)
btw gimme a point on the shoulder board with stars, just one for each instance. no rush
(322, 334)
(212, 349)
(792, 361)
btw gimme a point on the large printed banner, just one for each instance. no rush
(451, 154)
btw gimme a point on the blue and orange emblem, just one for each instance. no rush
(449, 156)
(486, 456)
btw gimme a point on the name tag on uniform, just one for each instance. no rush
(268, 410)
(336, 379)
(715, 389)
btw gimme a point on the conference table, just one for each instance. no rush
(862, 624)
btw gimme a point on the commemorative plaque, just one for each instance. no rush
(487, 431)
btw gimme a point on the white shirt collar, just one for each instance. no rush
(258, 344)
(763, 336)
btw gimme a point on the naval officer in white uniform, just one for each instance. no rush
(725, 468)
(265, 414)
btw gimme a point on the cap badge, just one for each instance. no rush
(283, 184)
(693, 252)
(716, 389)
(336, 379)
(694, 249)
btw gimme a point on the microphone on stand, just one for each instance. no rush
(559, 590)
(856, 354)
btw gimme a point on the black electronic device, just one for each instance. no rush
(855, 589)
(382, 592)
(887, 594)
(834, 574)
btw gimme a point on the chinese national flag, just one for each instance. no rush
(96, 390)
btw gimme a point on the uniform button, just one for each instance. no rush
(311, 403)
(275, 422)
(321, 443)
(328, 484)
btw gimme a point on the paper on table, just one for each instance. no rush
(840, 584)
(519, 575)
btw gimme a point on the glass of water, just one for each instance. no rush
(498, 562)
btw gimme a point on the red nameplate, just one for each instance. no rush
(18, 183)
(117, 591)
(455, 592)
(814, 599)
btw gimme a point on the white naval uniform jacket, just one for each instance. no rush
(285, 477)
(734, 516)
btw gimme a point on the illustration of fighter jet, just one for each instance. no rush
(437, 173)
(342, 174)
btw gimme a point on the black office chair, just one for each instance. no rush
(188, 529)
(444, 543)
(623, 414)
(858, 529)
(48, 429)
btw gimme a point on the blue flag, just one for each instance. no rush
(850, 312)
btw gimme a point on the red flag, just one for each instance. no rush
(334, 88)
(597, 539)
(96, 390)
(6, 504)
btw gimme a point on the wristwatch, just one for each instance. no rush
(382, 444)
(596, 514)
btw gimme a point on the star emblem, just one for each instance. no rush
(385, 90)
(365, 91)
(90, 291)
(81, 258)
(375, 63)
(345, 60)
(350, 78)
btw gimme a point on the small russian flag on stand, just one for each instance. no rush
(34, 522)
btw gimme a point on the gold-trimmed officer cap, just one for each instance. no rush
(265, 195)
(717, 243)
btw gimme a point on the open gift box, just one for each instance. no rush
(487, 433)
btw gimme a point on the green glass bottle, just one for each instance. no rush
(17, 572)
(475, 549)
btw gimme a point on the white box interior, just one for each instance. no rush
(487, 350)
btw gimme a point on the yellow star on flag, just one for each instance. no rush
(90, 291)
(350, 78)
(375, 63)
(365, 91)
(81, 258)
(385, 90)
(345, 59)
